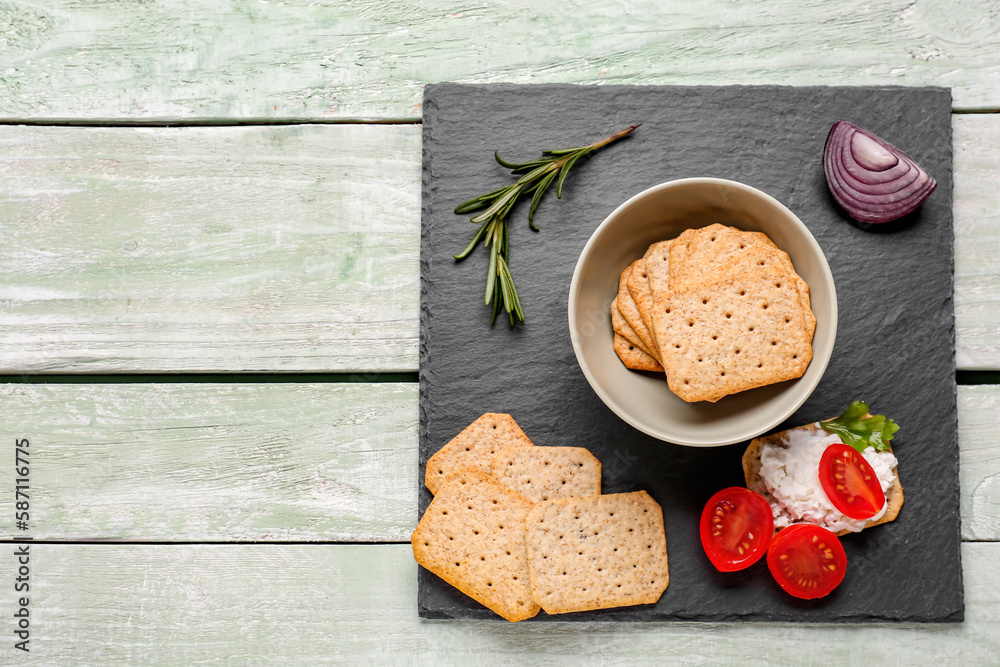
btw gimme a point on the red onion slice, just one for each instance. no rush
(872, 179)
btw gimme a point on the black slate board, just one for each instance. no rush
(895, 342)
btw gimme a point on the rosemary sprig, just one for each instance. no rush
(536, 177)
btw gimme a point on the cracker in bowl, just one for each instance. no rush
(710, 343)
(741, 332)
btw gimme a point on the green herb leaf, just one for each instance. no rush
(491, 272)
(472, 244)
(565, 170)
(480, 201)
(505, 270)
(536, 173)
(505, 250)
(528, 166)
(496, 303)
(564, 151)
(861, 432)
(498, 205)
(502, 162)
(540, 189)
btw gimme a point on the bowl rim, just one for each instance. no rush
(609, 401)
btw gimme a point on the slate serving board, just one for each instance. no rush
(895, 342)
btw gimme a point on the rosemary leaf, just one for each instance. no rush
(480, 201)
(506, 209)
(490, 228)
(502, 162)
(497, 205)
(543, 185)
(513, 289)
(537, 173)
(565, 171)
(508, 299)
(505, 250)
(563, 151)
(528, 166)
(508, 296)
(491, 272)
(472, 244)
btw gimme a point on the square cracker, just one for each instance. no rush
(786, 262)
(625, 330)
(634, 358)
(658, 267)
(627, 307)
(547, 473)
(678, 252)
(472, 536)
(597, 552)
(741, 332)
(752, 465)
(731, 251)
(474, 447)
(691, 248)
(638, 288)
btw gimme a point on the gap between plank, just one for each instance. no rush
(282, 121)
(202, 122)
(190, 542)
(215, 378)
(269, 542)
(977, 377)
(376, 377)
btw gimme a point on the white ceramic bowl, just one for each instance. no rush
(644, 400)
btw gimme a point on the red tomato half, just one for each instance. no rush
(850, 482)
(807, 561)
(736, 527)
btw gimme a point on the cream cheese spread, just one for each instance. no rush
(791, 475)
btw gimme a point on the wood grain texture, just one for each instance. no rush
(285, 248)
(979, 441)
(977, 240)
(322, 604)
(209, 249)
(331, 59)
(209, 462)
(285, 462)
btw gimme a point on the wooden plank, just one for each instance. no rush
(308, 59)
(285, 462)
(356, 604)
(979, 438)
(154, 250)
(209, 462)
(976, 141)
(209, 249)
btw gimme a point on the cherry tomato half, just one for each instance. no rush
(807, 561)
(850, 482)
(736, 527)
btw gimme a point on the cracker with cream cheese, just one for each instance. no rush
(752, 466)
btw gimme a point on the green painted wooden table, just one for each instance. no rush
(209, 223)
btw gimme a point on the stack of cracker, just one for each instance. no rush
(720, 310)
(521, 528)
